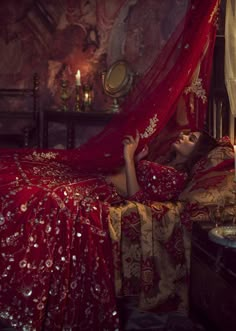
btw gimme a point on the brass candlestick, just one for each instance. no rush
(77, 98)
(65, 96)
(87, 97)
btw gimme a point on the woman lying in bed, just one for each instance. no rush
(142, 180)
(56, 268)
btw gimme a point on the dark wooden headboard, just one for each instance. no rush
(26, 116)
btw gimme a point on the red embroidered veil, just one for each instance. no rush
(171, 95)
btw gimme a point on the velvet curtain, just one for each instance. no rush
(170, 96)
(230, 53)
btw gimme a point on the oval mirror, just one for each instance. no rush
(117, 81)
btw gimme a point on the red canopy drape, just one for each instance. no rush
(170, 96)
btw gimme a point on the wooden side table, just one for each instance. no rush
(70, 119)
(213, 281)
(29, 132)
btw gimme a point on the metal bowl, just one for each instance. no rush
(224, 235)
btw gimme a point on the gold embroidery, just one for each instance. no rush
(197, 89)
(42, 156)
(151, 127)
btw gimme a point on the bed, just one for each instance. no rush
(66, 257)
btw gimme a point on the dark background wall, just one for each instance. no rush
(55, 38)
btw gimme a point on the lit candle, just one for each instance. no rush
(77, 77)
(86, 97)
(235, 162)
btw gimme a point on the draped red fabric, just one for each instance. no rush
(170, 96)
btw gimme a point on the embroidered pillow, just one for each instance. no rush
(222, 152)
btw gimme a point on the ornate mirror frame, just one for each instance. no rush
(117, 81)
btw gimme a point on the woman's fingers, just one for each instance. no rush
(126, 141)
(145, 148)
(130, 145)
(130, 139)
(137, 135)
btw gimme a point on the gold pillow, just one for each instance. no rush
(211, 188)
(222, 152)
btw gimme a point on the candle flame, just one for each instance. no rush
(77, 77)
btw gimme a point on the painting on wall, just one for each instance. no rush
(57, 38)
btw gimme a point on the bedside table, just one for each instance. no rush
(212, 281)
(70, 119)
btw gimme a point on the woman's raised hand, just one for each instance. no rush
(130, 145)
(142, 154)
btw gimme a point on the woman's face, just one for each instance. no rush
(186, 143)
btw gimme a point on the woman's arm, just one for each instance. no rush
(130, 146)
(125, 180)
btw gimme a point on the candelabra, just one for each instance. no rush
(78, 99)
(87, 97)
(65, 96)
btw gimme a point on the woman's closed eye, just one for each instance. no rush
(193, 138)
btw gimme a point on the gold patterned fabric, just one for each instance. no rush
(152, 242)
(150, 250)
